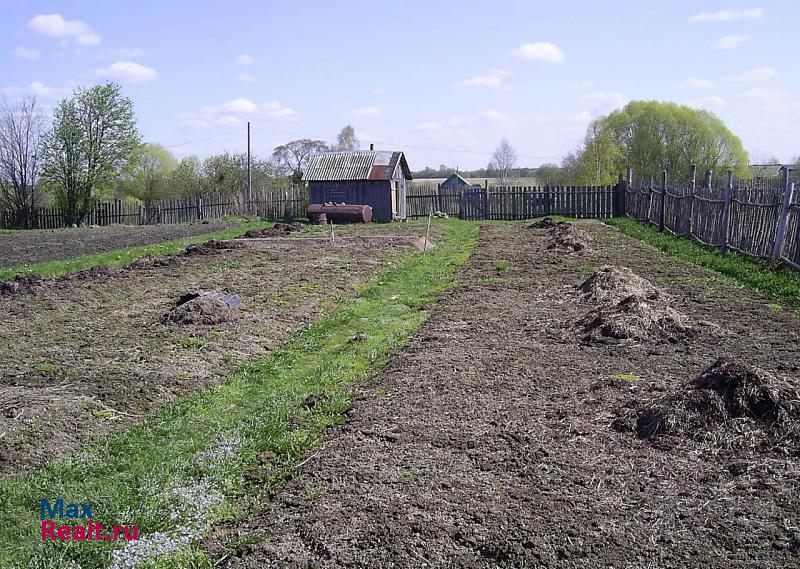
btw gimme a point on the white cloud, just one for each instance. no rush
(539, 51)
(37, 89)
(490, 115)
(730, 42)
(240, 105)
(228, 113)
(368, 111)
(378, 91)
(54, 25)
(758, 74)
(493, 80)
(583, 117)
(580, 85)
(709, 102)
(25, 53)
(695, 83)
(606, 100)
(728, 15)
(244, 59)
(764, 95)
(245, 78)
(127, 72)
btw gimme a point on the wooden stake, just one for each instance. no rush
(427, 232)
(333, 239)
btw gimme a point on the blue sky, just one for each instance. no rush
(444, 81)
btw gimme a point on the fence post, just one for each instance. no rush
(663, 199)
(780, 233)
(726, 215)
(619, 197)
(486, 199)
(693, 189)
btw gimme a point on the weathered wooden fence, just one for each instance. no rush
(269, 204)
(517, 202)
(760, 218)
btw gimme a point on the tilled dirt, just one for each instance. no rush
(489, 440)
(84, 355)
(35, 246)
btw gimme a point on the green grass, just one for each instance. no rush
(46, 368)
(501, 265)
(122, 257)
(256, 422)
(192, 342)
(770, 279)
(628, 377)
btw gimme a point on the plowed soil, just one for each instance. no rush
(488, 441)
(35, 246)
(81, 356)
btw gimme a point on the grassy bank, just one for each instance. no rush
(122, 257)
(771, 279)
(204, 459)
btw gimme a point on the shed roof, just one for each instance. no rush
(458, 177)
(355, 165)
(765, 170)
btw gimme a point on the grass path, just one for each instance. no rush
(181, 470)
(770, 279)
(121, 257)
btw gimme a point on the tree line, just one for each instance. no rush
(91, 150)
(645, 136)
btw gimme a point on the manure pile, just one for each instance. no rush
(627, 307)
(729, 406)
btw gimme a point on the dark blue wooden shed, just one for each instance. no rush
(376, 178)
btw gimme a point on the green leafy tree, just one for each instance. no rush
(93, 141)
(150, 178)
(550, 175)
(651, 136)
(185, 178)
(599, 159)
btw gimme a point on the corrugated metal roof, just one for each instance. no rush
(355, 165)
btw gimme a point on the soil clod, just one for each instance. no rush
(277, 230)
(27, 284)
(206, 307)
(212, 247)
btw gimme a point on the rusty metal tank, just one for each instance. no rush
(340, 213)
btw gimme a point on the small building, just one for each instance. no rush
(374, 177)
(762, 171)
(455, 182)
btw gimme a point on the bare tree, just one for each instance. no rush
(504, 159)
(293, 156)
(21, 127)
(347, 140)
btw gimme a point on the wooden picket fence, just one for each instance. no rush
(268, 204)
(760, 218)
(516, 202)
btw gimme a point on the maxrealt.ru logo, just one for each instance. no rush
(92, 531)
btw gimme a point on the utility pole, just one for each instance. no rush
(249, 170)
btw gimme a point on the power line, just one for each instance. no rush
(202, 139)
(400, 145)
